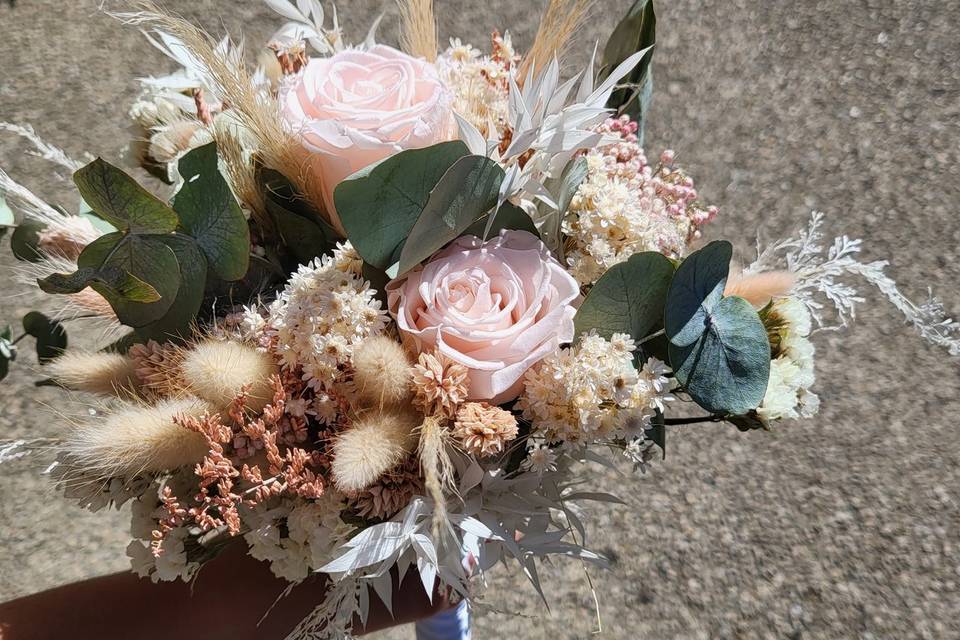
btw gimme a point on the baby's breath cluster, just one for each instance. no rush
(791, 371)
(625, 206)
(323, 312)
(593, 391)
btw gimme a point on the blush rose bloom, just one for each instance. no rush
(496, 307)
(356, 108)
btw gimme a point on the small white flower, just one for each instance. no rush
(540, 460)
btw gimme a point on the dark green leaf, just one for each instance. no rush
(23, 241)
(509, 216)
(628, 298)
(177, 321)
(147, 258)
(748, 422)
(302, 237)
(635, 32)
(50, 334)
(379, 205)
(210, 214)
(118, 199)
(466, 191)
(658, 432)
(98, 223)
(118, 281)
(280, 193)
(4, 367)
(719, 349)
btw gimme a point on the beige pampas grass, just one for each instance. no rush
(219, 371)
(438, 472)
(560, 21)
(760, 288)
(376, 443)
(257, 111)
(418, 28)
(137, 438)
(108, 374)
(382, 372)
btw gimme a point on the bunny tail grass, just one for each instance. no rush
(377, 442)
(108, 374)
(219, 371)
(137, 438)
(760, 288)
(418, 28)
(382, 372)
(437, 469)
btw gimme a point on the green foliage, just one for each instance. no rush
(379, 205)
(562, 188)
(302, 229)
(718, 348)
(657, 432)
(635, 32)
(50, 335)
(509, 216)
(23, 241)
(192, 264)
(210, 214)
(628, 298)
(145, 257)
(467, 191)
(121, 201)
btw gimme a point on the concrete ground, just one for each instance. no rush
(847, 526)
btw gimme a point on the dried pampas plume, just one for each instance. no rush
(109, 374)
(760, 288)
(382, 372)
(418, 28)
(219, 371)
(376, 443)
(256, 110)
(137, 438)
(561, 20)
(438, 472)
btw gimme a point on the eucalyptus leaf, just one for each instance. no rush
(25, 238)
(719, 349)
(467, 191)
(50, 335)
(379, 205)
(635, 32)
(118, 281)
(121, 201)
(629, 298)
(98, 223)
(304, 239)
(177, 322)
(509, 216)
(210, 214)
(145, 257)
(279, 192)
(657, 432)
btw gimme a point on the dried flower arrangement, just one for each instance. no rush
(458, 276)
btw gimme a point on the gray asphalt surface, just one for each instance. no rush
(847, 526)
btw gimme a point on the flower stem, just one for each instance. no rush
(679, 421)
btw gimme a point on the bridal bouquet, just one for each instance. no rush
(396, 297)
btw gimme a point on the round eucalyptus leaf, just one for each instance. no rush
(24, 240)
(50, 335)
(718, 348)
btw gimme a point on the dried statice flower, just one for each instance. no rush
(392, 492)
(439, 384)
(484, 430)
(823, 277)
(625, 206)
(593, 391)
(788, 392)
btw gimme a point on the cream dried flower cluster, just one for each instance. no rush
(593, 391)
(324, 310)
(626, 206)
(791, 370)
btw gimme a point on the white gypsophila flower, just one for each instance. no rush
(592, 391)
(540, 460)
(318, 318)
